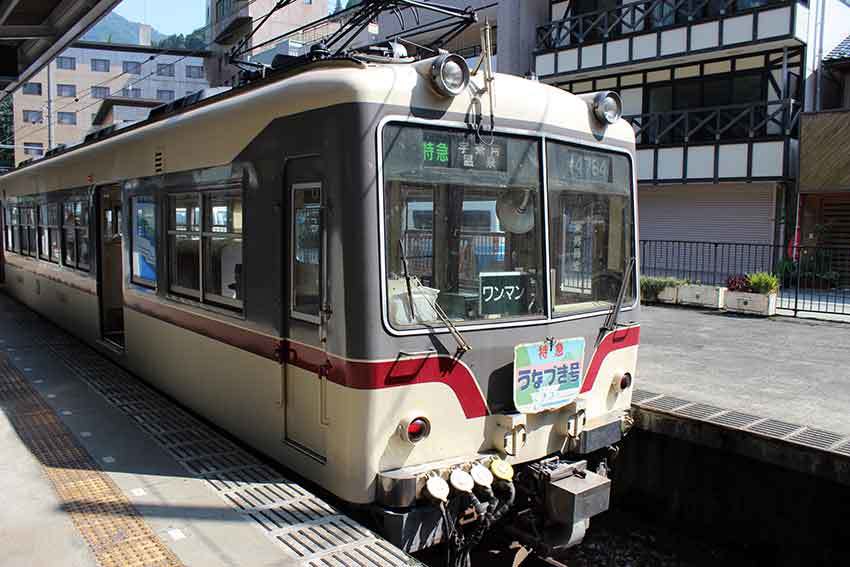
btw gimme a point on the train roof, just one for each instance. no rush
(211, 131)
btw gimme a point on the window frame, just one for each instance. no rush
(97, 60)
(200, 298)
(30, 85)
(78, 228)
(106, 91)
(293, 313)
(25, 114)
(72, 115)
(65, 62)
(165, 66)
(72, 86)
(192, 67)
(30, 147)
(131, 67)
(543, 138)
(134, 278)
(160, 98)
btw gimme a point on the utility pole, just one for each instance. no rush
(49, 108)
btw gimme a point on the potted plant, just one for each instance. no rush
(655, 289)
(712, 296)
(753, 293)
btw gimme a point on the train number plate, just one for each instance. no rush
(547, 375)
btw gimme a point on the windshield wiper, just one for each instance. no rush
(407, 279)
(611, 320)
(462, 345)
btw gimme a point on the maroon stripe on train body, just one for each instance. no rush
(615, 340)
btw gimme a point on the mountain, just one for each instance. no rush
(115, 28)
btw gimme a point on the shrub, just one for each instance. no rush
(763, 282)
(738, 283)
(651, 286)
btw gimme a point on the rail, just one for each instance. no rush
(812, 278)
(718, 123)
(641, 17)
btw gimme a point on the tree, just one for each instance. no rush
(7, 128)
(195, 41)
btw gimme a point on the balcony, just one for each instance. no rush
(641, 32)
(739, 142)
(230, 15)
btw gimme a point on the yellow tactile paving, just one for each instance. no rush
(105, 518)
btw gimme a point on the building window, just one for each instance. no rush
(164, 95)
(33, 116)
(32, 89)
(75, 226)
(69, 63)
(100, 65)
(133, 92)
(165, 69)
(68, 118)
(143, 241)
(194, 72)
(66, 90)
(99, 92)
(205, 247)
(133, 67)
(34, 149)
(48, 233)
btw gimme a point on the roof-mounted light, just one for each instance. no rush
(450, 74)
(607, 106)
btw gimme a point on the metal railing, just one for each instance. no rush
(478, 252)
(641, 17)
(718, 123)
(812, 278)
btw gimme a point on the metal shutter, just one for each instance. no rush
(713, 213)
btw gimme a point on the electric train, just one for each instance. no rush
(411, 283)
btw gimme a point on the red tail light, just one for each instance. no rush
(418, 429)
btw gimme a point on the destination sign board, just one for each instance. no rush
(463, 151)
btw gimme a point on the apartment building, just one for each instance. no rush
(230, 21)
(825, 161)
(715, 90)
(60, 103)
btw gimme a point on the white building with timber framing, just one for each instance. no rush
(714, 89)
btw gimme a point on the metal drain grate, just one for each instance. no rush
(735, 419)
(639, 396)
(816, 438)
(305, 527)
(666, 403)
(774, 428)
(699, 411)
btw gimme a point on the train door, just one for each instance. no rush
(110, 272)
(306, 420)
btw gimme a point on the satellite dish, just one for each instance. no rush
(516, 211)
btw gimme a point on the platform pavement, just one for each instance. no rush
(784, 368)
(774, 389)
(179, 510)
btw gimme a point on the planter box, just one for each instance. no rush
(666, 295)
(754, 303)
(703, 295)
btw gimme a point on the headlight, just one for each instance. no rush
(607, 106)
(450, 74)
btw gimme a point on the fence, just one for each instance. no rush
(812, 278)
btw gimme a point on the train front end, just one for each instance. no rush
(509, 309)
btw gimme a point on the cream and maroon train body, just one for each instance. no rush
(327, 396)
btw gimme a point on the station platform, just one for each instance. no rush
(100, 469)
(776, 390)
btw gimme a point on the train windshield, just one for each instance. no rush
(463, 224)
(591, 227)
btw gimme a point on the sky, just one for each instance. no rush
(167, 16)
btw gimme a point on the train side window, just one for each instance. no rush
(29, 245)
(75, 227)
(43, 234)
(306, 253)
(143, 241)
(15, 225)
(53, 233)
(7, 227)
(222, 239)
(184, 244)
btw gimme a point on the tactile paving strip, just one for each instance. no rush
(305, 527)
(114, 530)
